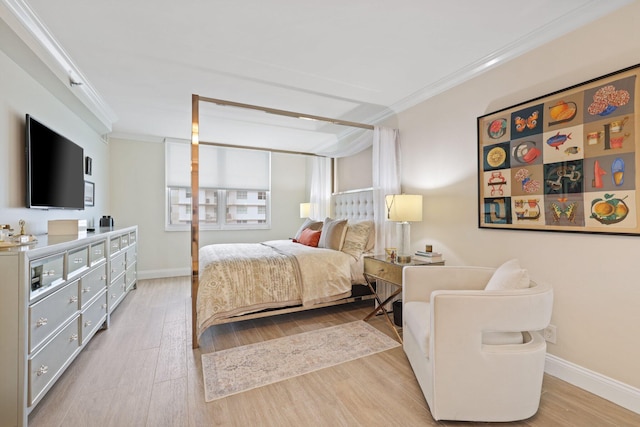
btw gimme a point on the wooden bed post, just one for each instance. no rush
(195, 215)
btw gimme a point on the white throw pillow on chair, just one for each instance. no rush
(508, 276)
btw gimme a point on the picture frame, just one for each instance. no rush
(89, 193)
(565, 161)
(88, 165)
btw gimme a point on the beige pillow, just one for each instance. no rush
(310, 224)
(333, 232)
(508, 276)
(356, 238)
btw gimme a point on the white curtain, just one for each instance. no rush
(386, 180)
(320, 196)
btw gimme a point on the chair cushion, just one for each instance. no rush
(502, 338)
(508, 276)
(417, 321)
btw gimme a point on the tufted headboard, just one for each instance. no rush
(353, 205)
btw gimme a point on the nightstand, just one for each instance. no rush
(379, 269)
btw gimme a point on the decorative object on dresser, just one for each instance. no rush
(57, 294)
(471, 335)
(403, 209)
(240, 369)
(386, 274)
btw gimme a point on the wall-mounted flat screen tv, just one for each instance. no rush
(55, 169)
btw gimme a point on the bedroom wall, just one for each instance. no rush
(595, 277)
(137, 196)
(22, 94)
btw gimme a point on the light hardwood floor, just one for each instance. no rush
(142, 371)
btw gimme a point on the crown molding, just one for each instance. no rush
(563, 25)
(30, 29)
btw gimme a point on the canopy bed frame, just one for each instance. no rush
(357, 205)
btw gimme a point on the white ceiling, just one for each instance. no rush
(357, 60)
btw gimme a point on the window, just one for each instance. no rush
(234, 187)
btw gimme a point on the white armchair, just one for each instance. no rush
(476, 353)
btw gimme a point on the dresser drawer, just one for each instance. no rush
(132, 256)
(114, 244)
(118, 266)
(92, 318)
(48, 314)
(46, 273)
(77, 261)
(45, 365)
(130, 276)
(116, 292)
(124, 241)
(92, 283)
(383, 270)
(133, 238)
(98, 252)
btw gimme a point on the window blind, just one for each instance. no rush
(220, 167)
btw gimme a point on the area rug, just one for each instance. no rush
(239, 369)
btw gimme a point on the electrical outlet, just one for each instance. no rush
(550, 334)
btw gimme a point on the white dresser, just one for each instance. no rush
(54, 296)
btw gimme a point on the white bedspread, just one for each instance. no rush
(242, 278)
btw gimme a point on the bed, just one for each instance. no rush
(246, 281)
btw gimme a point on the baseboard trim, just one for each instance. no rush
(159, 274)
(615, 391)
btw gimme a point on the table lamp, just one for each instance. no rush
(305, 210)
(403, 209)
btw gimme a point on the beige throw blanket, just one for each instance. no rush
(243, 278)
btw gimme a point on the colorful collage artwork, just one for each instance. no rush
(566, 162)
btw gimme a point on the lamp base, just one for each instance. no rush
(403, 231)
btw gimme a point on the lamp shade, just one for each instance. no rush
(404, 207)
(305, 210)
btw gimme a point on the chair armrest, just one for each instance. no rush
(472, 312)
(418, 282)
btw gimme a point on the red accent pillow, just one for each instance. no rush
(309, 237)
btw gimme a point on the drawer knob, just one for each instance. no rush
(103, 277)
(87, 289)
(78, 260)
(73, 337)
(42, 370)
(73, 299)
(87, 323)
(42, 321)
(104, 306)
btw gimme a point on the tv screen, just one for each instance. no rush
(55, 169)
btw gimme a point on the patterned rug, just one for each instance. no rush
(239, 369)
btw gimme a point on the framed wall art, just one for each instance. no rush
(566, 161)
(89, 193)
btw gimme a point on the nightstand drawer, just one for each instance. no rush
(383, 270)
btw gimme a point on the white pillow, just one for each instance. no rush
(356, 238)
(508, 276)
(333, 232)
